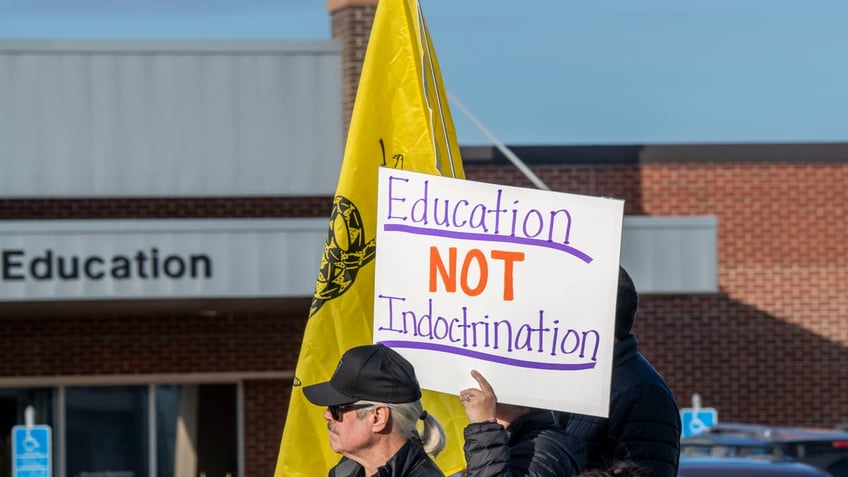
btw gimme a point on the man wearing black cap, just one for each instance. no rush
(373, 407)
(644, 421)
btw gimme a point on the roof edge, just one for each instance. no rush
(52, 46)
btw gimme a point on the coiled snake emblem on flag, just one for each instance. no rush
(345, 252)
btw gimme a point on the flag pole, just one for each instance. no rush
(516, 161)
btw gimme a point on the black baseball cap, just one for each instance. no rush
(368, 373)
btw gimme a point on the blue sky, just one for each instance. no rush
(559, 71)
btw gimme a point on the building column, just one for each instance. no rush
(351, 26)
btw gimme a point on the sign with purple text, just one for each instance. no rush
(519, 284)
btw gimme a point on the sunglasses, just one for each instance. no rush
(339, 410)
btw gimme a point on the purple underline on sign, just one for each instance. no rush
(487, 237)
(488, 357)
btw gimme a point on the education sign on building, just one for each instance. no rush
(105, 259)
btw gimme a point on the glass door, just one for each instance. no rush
(106, 431)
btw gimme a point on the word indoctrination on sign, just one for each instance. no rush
(517, 283)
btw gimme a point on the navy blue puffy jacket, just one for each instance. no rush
(644, 420)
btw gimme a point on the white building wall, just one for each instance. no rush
(169, 118)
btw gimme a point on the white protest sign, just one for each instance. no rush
(519, 284)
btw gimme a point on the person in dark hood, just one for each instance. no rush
(644, 420)
(373, 409)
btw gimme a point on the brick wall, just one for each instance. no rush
(80, 340)
(770, 347)
(164, 207)
(265, 404)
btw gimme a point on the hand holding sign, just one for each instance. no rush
(479, 403)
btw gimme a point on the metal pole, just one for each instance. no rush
(500, 145)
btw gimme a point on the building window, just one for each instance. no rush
(196, 430)
(107, 432)
(671, 255)
(162, 430)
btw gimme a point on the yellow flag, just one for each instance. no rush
(400, 119)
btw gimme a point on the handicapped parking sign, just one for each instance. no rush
(31, 451)
(697, 420)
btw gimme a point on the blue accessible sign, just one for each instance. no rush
(697, 420)
(31, 451)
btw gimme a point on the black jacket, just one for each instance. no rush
(534, 445)
(644, 420)
(409, 461)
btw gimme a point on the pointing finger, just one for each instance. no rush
(484, 385)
